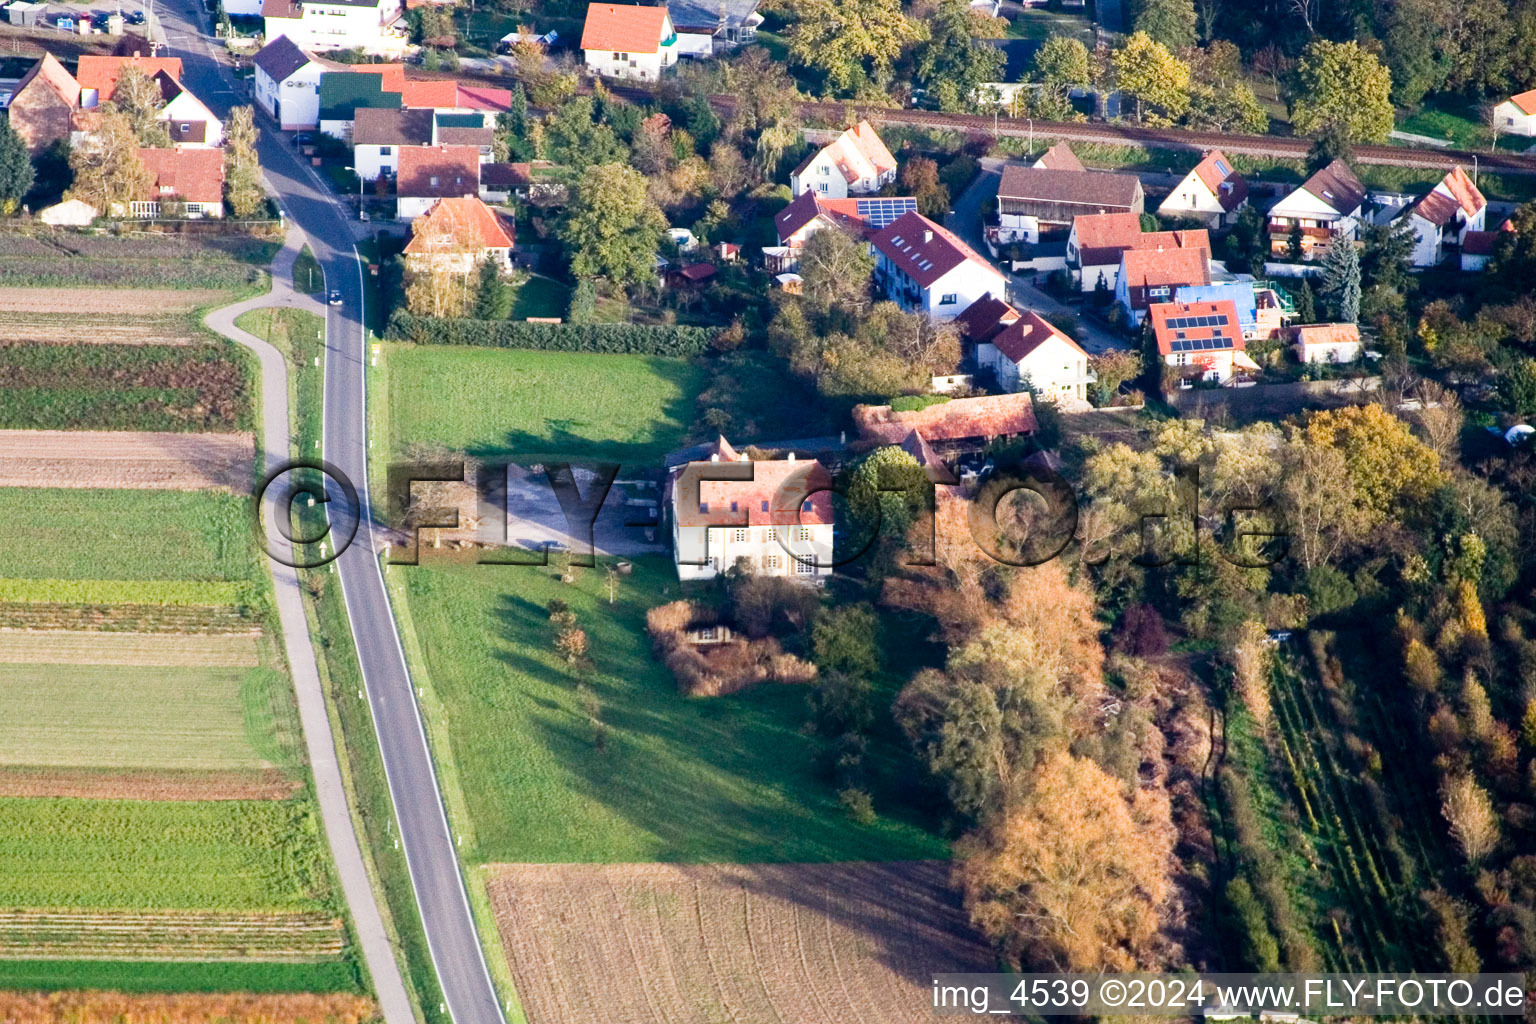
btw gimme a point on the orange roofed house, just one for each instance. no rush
(456, 235)
(1213, 192)
(854, 163)
(429, 173)
(43, 104)
(628, 41)
(1149, 276)
(1031, 353)
(1444, 216)
(956, 426)
(1200, 339)
(186, 117)
(1098, 240)
(191, 176)
(774, 514)
(860, 216)
(1517, 115)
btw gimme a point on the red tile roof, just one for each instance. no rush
(1152, 268)
(956, 419)
(778, 494)
(627, 28)
(482, 97)
(52, 75)
(1078, 188)
(1479, 243)
(1337, 186)
(1229, 332)
(808, 206)
(442, 171)
(467, 219)
(923, 250)
(442, 94)
(1526, 101)
(1027, 333)
(1060, 158)
(391, 76)
(1103, 237)
(100, 73)
(1455, 192)
(986, 316)
(194, 175)
(1328, 334)
(851, 150)
(1210, 172)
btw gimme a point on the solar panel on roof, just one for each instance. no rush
(881, 212)
(1223, 169)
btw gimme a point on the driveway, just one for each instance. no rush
(535, 519)
(964, 219)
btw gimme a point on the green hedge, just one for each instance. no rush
(635, 339)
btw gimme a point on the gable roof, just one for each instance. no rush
(1214, 170)
(923, 250)
(382, 126)
(460, 130)
(1141, 268)
(280, 58)
(101, 73)
(431, 93)
(1195, 327)
(1027, 333)
(506, 174)
(462, 217)
(1454, 193)
(1060, 158)
(852, 214)
(779, 493)
(1526, 101)
(1328, 334)
(484, 97)
(857, 152)
(1103, 237)
(985, 317)
(627, 28)
(1080, 188)
(342, 93)
(195, 175)
(1337, 186)
(49, 74)
(956, 419)
(438, 171)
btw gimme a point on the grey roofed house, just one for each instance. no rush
(1055, 197)
(382, 126)
(731, 21)
(280, 58)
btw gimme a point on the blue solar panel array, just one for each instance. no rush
(1178, 323)
(1201, 345)
(880, 212)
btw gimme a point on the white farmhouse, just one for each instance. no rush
(1211, 192)
(1444, 216)
(1327, 343)
(373, 26)
(629, 41)
(775, 514)
(927, 269)
(854, 163)
(378, 135)
(1032, 352)
(1517, 115)
(287, 84)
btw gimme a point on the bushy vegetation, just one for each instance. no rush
(631, 339)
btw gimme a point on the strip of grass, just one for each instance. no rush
(129, 854)
(124, 387)
(112, 272)
(300, 336)
(539, 296)
(91, 534)
(678, 779)
(99, 716)
(573, 405)
(49, 975)
(308, 278)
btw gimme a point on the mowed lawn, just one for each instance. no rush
(721, 779)
(140, 854)
(533, 405)
(115, 717)
(67, 533)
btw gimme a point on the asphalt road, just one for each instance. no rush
(423, 823)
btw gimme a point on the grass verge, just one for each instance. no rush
(49, 975)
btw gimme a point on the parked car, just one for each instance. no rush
(135, 18)
(334, 297)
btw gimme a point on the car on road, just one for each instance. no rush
(334, 297)
(302, 139)
(135, 17)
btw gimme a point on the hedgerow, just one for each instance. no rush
(631, 339)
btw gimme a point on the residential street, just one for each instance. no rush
(423, 824)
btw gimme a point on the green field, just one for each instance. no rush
(232, 854)
(539, 296)
(729, 779)
(577, 405)
(93, 534)
(336, 976)
(95, 716)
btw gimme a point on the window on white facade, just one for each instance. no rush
(804, 567)
(948, 299)
(618, 56)
(739, 536)
(1160, 292)
(384, 151)
(770, 561)
(821, 186)
(803, 533)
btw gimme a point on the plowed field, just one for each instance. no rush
(109, 300)
(702, 944)
(142, 460)
(94, 784)
(84, 647)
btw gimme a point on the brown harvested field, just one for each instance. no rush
(128, 301)
(92, 784)
(114, 328)
(141, 460)
(850, 943)
(79, 647)
(206, 936)
(128, 618)
(227, 1008)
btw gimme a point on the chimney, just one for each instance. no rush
(791, 456)
(715, 457)
(842, 437)
(927, 234)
